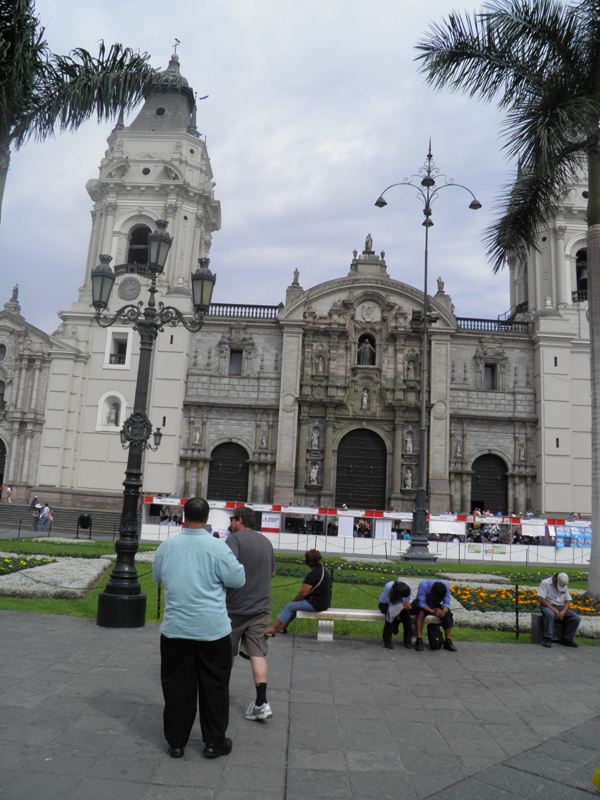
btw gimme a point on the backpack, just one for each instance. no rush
(435, 635)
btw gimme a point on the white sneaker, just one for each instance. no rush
(259, 712)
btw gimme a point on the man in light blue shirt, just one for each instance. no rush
(433, 598)
(195, 646)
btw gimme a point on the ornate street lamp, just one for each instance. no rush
(427, 191)
(122, 604)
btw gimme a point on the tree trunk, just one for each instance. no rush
(593, 263)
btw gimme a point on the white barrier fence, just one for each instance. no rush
(394, 548)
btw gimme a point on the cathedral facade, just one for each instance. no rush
(313, 401)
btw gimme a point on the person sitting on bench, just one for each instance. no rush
(394, 603)
(314, 595)
(555, 602)
(433, 598)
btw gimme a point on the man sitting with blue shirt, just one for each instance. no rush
(195, 646)
(433, 599)
(394, 603)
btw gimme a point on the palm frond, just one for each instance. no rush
(73, 88)
(553, 122)
(524, 207)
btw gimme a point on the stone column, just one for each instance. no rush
(291, 361)
(36, 382)
(301, 460)
(25, 465)
(267, 495)
(464, 498)
(14, 448)
(110, 209)
(255, 484)
(199, 480)
(326, 492)
(560, 276)
(21, 389)
(397, 457)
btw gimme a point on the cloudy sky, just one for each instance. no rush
(314, 107)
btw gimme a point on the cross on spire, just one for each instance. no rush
(175, 45)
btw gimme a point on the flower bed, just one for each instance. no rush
(10, 564)
(503, 599)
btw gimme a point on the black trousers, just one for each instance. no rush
(447, 621)
(194, 672)
(392, 627)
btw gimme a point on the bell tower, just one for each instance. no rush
(155, 168)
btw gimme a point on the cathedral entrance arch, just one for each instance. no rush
(228, 473)
(489, 484)
(361, 476)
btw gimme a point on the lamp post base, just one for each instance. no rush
(121, 611)
(419, 554)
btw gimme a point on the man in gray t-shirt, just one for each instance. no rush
(249, 607)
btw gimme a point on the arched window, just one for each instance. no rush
(581, 269)
(366, 351)
(138, 245)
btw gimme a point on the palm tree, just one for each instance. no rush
(540, 59)
(41, 93)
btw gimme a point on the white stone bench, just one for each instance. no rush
(326, 619)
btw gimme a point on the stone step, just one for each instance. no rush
(18, 519)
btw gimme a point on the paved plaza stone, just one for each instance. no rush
(81, 719)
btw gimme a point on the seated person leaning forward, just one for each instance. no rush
(315, 594)
(394, 603)
(555, 602)
(433, 598)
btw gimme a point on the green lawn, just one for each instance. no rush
(367, 581)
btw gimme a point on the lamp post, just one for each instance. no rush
(427, 191)
(122, 604)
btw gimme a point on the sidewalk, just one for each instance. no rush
(81, 706)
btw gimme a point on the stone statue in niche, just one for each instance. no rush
(410, 371)
(458, 451)
(409, 442)
(522, 452)
(113, 415)
(263, 440)
(408, 479)
(313, 473)
(320, 365)
(366, 353)
(364, 403)
(197, 436)
(314, 439)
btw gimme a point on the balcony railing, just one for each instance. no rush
(579, 296)
(244, 311)
(133, 269)
(116, 358)
(495, 325)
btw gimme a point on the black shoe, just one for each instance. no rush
(568, 642)
(175, 752)
(547, 642)
(408, 645)
(214, 750)
(419, 644)
(449, 645)
(388, 645)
